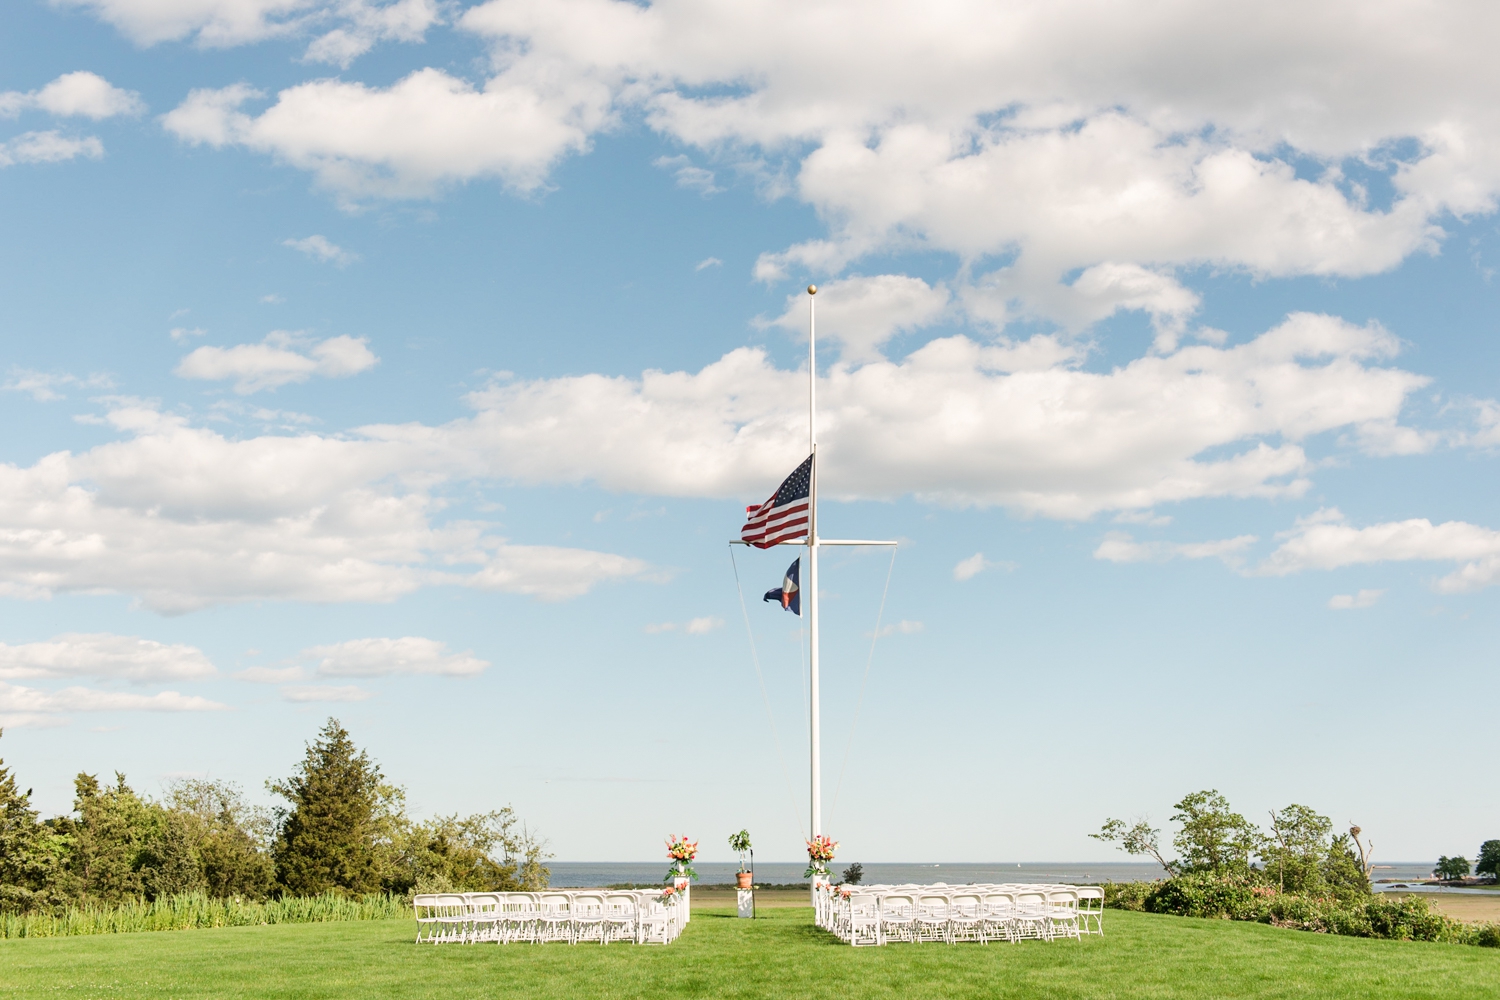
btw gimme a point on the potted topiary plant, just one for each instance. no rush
(740, 844)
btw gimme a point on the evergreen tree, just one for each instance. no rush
(28, 857)
(170, 866)
(110, 840)
(327, 840)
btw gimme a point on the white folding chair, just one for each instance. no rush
(554, 917)
(426, 908)
(932, 917)
(863, 926)
(898, 917)
(966, 918)
(451, 911)
(485, 917)
(619, 917)
(1032, 917)
(1062, 912)
(588, 917)
(999, 915)
(1091, 909)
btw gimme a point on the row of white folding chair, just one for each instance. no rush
(602, 915)
(950, 914)
(1091, 898)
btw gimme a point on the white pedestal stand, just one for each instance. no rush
(745, 898)
(685, 905)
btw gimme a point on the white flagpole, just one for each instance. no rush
(812, 564)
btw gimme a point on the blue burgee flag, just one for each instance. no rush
(790, 594)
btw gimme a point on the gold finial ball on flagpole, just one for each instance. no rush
(812, 289)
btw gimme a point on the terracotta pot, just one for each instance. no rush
(742, 879)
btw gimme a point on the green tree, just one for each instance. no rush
(480, 853)
(230, 838)
(1139, 839)
(110, 839)
(1213, 838)
(1488, 862)
(327, 839)
(1344, 871)
(30, 857)
(1451, 868)
(1296, 853)
(169, 864)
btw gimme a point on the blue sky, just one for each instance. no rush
(413, 363)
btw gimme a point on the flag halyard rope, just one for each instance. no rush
(786, 780)
(874, 637)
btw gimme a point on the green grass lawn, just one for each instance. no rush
(779, 955)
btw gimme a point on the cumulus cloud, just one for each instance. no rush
(48, 147)
(968, 569)
(406, 140)
(322, 249)
(1325, 540)
(1119, 547)
(80, 94)
(282, 358)
(43, 386)
(955, 422)
(182, 518)
(1073, 156)
(345, 28)
(15, 698)
(1363, 599)
(862, 313)
(325, 692)
(385, 657)
(117, 657)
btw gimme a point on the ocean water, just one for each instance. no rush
(574, 874)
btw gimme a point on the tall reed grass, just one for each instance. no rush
(195, 910)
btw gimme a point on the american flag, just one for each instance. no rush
(783, 518)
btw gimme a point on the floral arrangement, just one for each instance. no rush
(845, 892)
(681, 852)
(819, 852)
(669, 896)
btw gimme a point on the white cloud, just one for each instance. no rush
(695, 626)
(80, 94)
(357, 25)
(411, 139)
(968, 569)
(954, 422)
(280, 359)
(48, 147)
(270, 675)
(1363, 599)
(365, 23)
(689, 175)
(182, 518)
(863, 313)
(43, 386)
(1120, 547)
(324, 692)
(707, 262)
(384, 657)
(181, 333)
(902, 628)
(15, 698)
(1096, 148)
(321, 248)
(1325, 540)
(118, 657)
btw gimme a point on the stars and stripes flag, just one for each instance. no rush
(783, 518)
